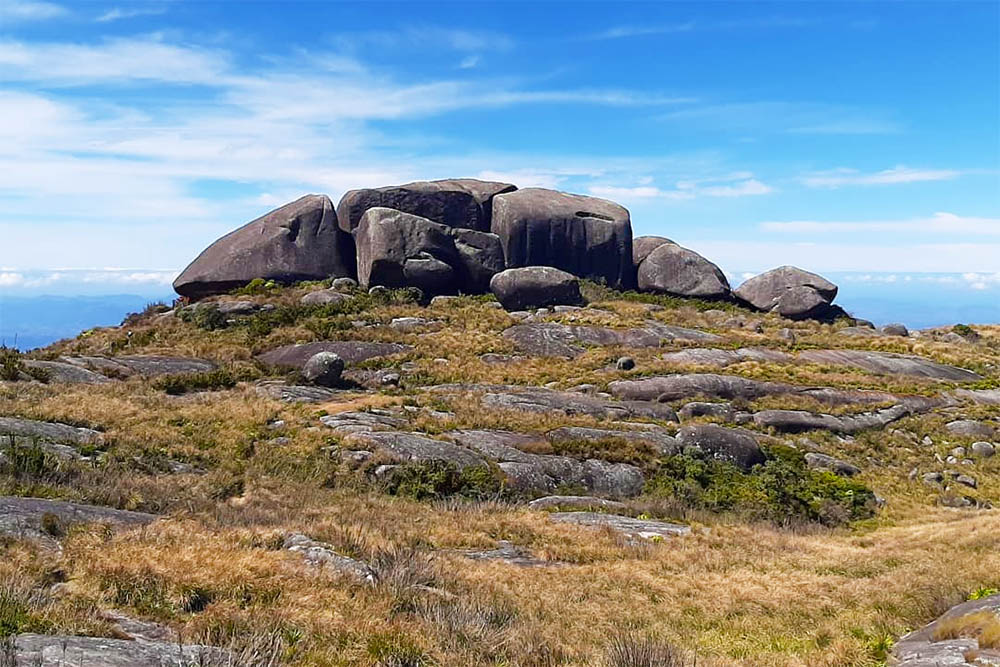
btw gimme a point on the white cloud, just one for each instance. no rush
(741, 184)
(939, 223)
(424, 37)
(11, 279)
(624, 31)
(785, 118)
(900, 174)
(25, 10)
(117, 13)
(469, 62)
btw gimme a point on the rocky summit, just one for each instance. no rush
(452, 236)
(456, 423)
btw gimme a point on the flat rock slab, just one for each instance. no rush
(712, 385)
(53, 432)
(701, 356)
(540, 399)
(551, 339)
(345, 423)
(886, 363)
(64, 651)
(405, 446)
(24, 516)
(67, 373)
(144, 365)
(919, 649)
(657, 439)
(295, 393)
(795, 421)
(644, 528)
(352, 352)
(507, 552)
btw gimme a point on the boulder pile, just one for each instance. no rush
(465, 236)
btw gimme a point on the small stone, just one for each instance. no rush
(324, 369)
(378, 290)
(493, 305)
(895, 329)
(933, 478)
(625, 363)
(566, 309)
(388, 379)
(951, 460)
(913, 474)
(542, 311)
(927, 441)
(323, 297)
(958, 452)
(344, 284)
(443, 300)
(787, 334)
(967, 481)
(983, 450)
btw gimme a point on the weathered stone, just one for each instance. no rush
(324, 369)
(511, 554)
(461, 202)
(766, 290)
(299, 241)
(671, 269)
(60, 651)
(534, 287)
(405, 447)
(31, 430)
(352, 352)
(585, 236)
(644, 528)
(887, 363)
(344, 284)
(235, 308)
(983, 450)
(970, 428)
(895, 330)
(801, 420)
(734, 446)
(62, 372)
(826, 462)
(345, 423)
(923, 648)
(723, 411)
(625, 363)
(539, 399)
(801, 303)
(642, 246)
(322, 555)
(324, 297)
(552, 339)
(414, 324)
(26, 517)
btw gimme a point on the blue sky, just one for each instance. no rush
(836, 136)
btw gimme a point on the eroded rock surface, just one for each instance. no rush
(351, 351)
(642, 528)
(63, 651)
(886, 363)
(26, 517)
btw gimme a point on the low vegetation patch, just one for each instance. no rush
(440, 479)
(983, 626)
(781, 490)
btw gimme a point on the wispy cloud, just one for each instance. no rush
(469, 62)
(424, 36)
(785, 118)
(940, 223)
(12, 11)
(624, 31)
(901, 174)
(117, 13)
(735, 185)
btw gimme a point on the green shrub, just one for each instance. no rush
(18, 603)
(781, 489)
(440, 479)
(11, 365)
(31, 463)
(964, 330)
(182, 383)
(256, 287)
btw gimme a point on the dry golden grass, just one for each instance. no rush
(734, 593)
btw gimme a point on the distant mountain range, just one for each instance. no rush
(35, 321)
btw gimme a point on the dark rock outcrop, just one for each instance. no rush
(32, 517)
(790, 292)
(299, 241)
(586, 236)
(535, 287)
(458, 202)
(671, 269)
(397, 249)
(731, 445)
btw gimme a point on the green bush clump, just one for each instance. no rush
(440, 479)
(11, 365)
(964, 330)
(17, 604)
(255, 287)
(781, 489)
(182, 383)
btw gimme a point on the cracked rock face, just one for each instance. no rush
(299, 241)
(459, 202)
(62, 651)
(585, 236)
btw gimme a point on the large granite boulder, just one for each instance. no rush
(398, 249)
(671, 269)
(535, 287)
(299, 241)
(642, 246)
(790, 292)
(351, 351)
(586, 236)
(459, 202)
(732, 445)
